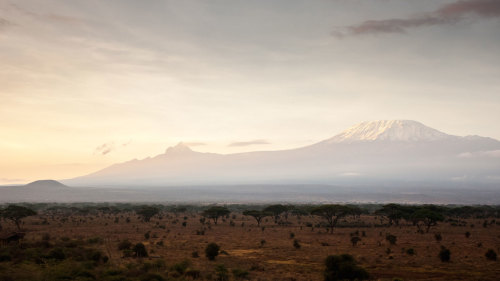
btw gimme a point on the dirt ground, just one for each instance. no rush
(268, 253)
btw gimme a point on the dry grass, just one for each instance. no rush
(277, 259)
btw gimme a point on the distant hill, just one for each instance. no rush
(45, 184)
(385, 152)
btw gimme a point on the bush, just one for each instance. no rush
(444, 254)
(57, 254)
(221, 273)
(355, 240)
(240, 273)
(343, 267)
(211, 251)
(391, 238)
(140, 250)
(410, 251)
(467, 234)
(438, 237)
(124, 245)
(182, 266)
(491, 255)
(296, 244)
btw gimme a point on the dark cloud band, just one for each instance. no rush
(447, 14)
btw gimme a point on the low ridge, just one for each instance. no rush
(45, 183)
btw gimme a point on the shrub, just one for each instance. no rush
(195, 254)
(467, 234)
(211, 251)
(343, 267)
(221, 273)
(124, 245)
(140, 250)
(438, 237)
(193, 273)
(240, 273)
(296, 244)
(391, 238)
(410, 251)
(355, 240)
(444, 254)
(182, 266)
(57, 254)
(491, 255)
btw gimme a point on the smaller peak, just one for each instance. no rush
(45, 183)
(179, 148)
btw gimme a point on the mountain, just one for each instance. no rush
(395, 152)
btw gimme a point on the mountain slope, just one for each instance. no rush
(379, 151)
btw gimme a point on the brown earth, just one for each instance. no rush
(242, 245)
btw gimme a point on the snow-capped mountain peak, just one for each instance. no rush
(389, 130)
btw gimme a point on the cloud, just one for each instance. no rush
(247, 143)
(194, 143)
(4, 23)
(108, 147)
(447, 14)
(105, 148)
(7, 180)
(488, 154)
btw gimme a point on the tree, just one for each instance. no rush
(426, 217)
(215, 212)
(16, 214)
(140, 250)
(147, 212)
(276, 210)
(211, 251)
(343, 267)
(395, 212)
(257, 215)
(331, 213)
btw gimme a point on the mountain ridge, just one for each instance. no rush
(381, 150)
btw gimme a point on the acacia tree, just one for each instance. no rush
(16, 214)
(257, 215)
(215, 212)
(426, 217)
(147, 212)
(331, 213)
(393, 212)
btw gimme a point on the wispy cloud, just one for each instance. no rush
(489, 154)
(247, 143)
(105, 148)
(108, 147)
(4, 23)
(8, 180)
(447, 14)
(194, 143)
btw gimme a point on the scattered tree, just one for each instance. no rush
(257, 215)
(16, 214)
(215, 212)
(331, 213)
(147, 212)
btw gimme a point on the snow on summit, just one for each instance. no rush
(389, 130)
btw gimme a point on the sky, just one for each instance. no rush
(85, 84)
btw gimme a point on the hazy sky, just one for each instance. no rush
(84, 84)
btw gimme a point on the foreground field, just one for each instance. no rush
(295, 248)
